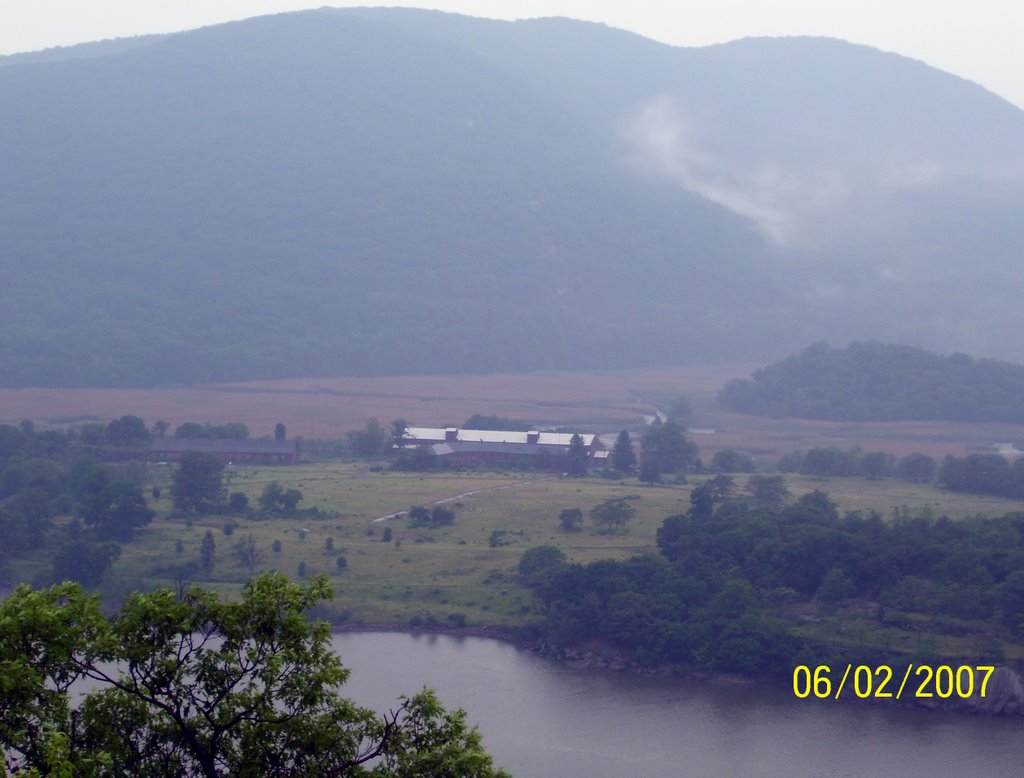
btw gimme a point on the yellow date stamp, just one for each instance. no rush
(881, 682)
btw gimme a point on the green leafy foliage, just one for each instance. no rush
(879, 382)
(729, 461)
(680, 411)
(576, 457)
(116, 509)
(873, 465)
(623, 456)
(709, 598)
(208, 553)
(232, 430)
(612, 514)
(371, 441)
(668, 445)
(570, 519)
(247, 552)
(917, 467)
(45, 475)
(438, 516)
(127, 431)
(192, 685)
(276, 499)
(768, 489)
(416, 459)
(983, 474)
(196, 484)
(84, 561)
(650, 471)
(480, 421)
(540, 561)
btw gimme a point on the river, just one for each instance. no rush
(543, 718)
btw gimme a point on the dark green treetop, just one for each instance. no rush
(205, 688)
(196, 483)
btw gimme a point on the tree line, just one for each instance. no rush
(880, 382)
(49, 474)
(730, 569)
(823, 461)
(984, 474)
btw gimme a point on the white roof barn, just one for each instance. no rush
(475, 447)
(427, 435)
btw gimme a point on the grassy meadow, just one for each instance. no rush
(461, 574)
(466, 573)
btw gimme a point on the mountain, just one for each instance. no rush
(366, 191)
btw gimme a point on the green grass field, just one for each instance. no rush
(462, 573)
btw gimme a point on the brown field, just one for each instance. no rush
(329, 407)
(599, 401)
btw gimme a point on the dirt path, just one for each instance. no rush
(471, 493)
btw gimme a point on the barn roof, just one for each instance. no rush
(426, 435)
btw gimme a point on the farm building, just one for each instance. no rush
(475, 448)
(260, 452)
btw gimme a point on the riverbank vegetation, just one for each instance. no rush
(443, 549)
(734, 582)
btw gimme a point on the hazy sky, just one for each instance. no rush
(980, 40)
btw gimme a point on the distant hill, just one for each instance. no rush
(880, 382)
(360, 191)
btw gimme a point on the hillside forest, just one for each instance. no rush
(871, 381)
(366, 192)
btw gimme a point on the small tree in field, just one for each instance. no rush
(612, 514)
(247, 553)
(291, 499)
(208, 553)
(238, 502)
(271, 496)
(570, 519)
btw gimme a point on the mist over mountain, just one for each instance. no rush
(392, 191)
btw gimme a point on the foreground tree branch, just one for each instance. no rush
(190, 685)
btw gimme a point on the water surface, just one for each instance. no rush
(544, 718)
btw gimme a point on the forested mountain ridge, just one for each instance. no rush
(373, 192)
(880, 382)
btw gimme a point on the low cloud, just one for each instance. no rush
(778, 200)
